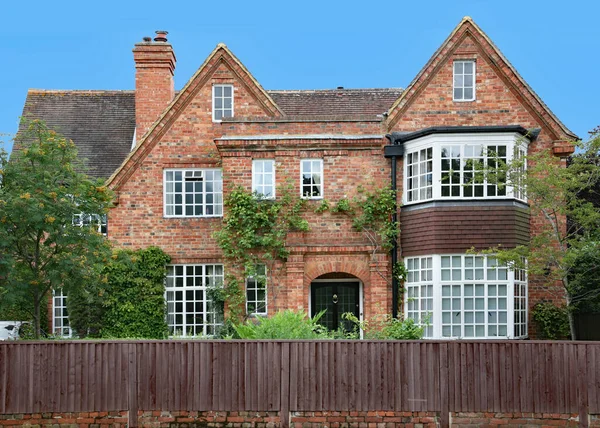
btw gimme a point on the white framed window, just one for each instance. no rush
(419, 292)
(222, 102)
(457, 166)
(256, 292)
(311, 178)
(193, 193)
(419, 174)
(60, 314)
(463, 81)
(463, 168)
(520, 303)
(190, 312)
(466, 297)
(263, 177)
(99, 222)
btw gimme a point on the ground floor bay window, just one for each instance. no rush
(466, 296)
(190, 311)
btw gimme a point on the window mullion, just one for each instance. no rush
(510, 304)
(437, 296)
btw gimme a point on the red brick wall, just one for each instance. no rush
(331, 419)
(186, 138)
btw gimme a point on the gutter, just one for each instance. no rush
(394, 151)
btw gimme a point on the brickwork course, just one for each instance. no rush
(344, 127)
(377, 419)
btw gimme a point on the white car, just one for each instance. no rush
(9, 330)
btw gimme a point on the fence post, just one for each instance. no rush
(133, 381)
(284, 404)
(582, 380)
(444, 387)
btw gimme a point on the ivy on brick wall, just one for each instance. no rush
(254, 232)
(128, 303)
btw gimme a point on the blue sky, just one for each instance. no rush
(298, 44)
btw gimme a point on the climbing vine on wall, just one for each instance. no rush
(254, 232)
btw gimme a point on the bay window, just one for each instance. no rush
(466, 296)
(460, 166)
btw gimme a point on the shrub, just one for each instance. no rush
(286, 324)
(384, 327)
(134, 299)
(552, 321)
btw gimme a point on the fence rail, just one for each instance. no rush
(284, 376)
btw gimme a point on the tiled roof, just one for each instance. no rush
(336, 102)
(100, 123)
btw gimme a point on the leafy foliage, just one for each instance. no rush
(552, 321)
(41, 190)
(286, 324)
(371, 213)
(384, 327)
(134, 296)
(555, 194)
(254, 232)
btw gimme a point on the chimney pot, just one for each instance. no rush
(161, 36)
(147, 39)
(340, 87)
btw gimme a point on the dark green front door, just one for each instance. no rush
(336, 298)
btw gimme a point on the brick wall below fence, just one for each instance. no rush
(378, 419)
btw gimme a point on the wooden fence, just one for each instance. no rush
(284, 376)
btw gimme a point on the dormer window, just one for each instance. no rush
(464, 81)
(222, 105)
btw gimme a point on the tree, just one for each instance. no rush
(42, 189)
(557, 192)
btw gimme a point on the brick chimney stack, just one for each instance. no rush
(154, 86)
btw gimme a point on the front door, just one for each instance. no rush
(336, 298)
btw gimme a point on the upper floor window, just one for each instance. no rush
(193, 193)
(263, 177)
(461, 166)
(464, 81)
(222, 102)
(311, 178)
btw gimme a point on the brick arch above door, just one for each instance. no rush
(355, 265)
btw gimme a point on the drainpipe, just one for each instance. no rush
(394, 151)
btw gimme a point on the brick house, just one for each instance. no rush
(171, 156)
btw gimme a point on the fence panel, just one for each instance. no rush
(493, 376)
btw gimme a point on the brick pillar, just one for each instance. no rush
(378, 293)
(154, 86)
(296, 294)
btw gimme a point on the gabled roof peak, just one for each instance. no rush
(221, 45)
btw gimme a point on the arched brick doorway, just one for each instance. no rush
(336, 293)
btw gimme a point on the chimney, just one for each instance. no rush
(154, 86)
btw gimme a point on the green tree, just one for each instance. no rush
(42, 189)
(555, 193)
